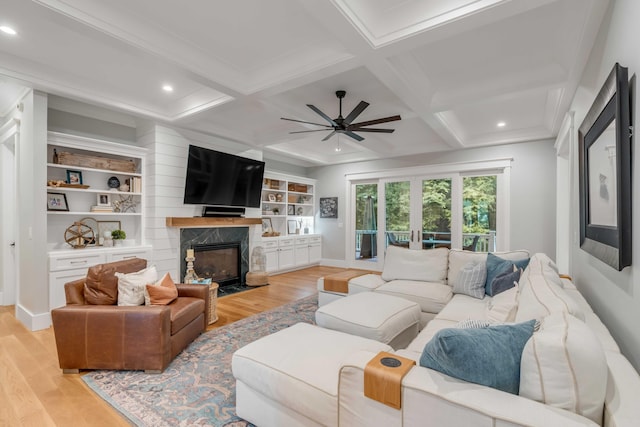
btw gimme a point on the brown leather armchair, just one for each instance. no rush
(125, 338)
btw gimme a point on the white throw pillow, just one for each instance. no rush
(428, 265)
(471, 280)
(564, 365)
(131, 286)
(459, 258)
(503, 307)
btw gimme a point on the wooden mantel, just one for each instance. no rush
(206, 221)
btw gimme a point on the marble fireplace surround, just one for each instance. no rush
(190, 237)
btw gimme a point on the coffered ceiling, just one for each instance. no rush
(453, 69)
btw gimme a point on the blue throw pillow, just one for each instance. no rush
(497, 265)
(504, 281)
(487, 356)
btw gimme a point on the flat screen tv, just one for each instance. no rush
(222, 179)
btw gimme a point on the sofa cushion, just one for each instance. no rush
(131, 286)
(162, 292)
(540, 294)
(431, 297)
(459, 258)
(497, 265)
(101, 285)
(471, 280)
(488, 356)
(278, 366)
(503, 307)
(410, 264)
(564, 365)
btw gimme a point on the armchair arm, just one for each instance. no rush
(195, 291)
(74, 292)
(113, 337)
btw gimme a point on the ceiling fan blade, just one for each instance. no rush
(323, 115)
(355, 112)
(314, 130)
(372, 130)
(301, 121)
(329, 136)
(375, 122)
(353, 135)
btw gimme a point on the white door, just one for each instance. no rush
(8, 253)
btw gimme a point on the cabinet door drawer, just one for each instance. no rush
(285, 243)
(317, 239)
(129, 254)
(302, 241)
(269, 244)
(56, 285)
(66, 262)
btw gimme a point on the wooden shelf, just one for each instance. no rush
(200, 221)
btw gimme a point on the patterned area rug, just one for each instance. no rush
(197, 388)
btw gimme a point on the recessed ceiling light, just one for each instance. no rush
(501, 124)
(167, 88)
(8, 30)
(338, 149)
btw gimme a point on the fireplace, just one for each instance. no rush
(232, 245)
(219, 262)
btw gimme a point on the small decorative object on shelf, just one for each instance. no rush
(190, 275)
(79, 235)
(56, 160)
(113, 182)
(125, 204)
(118, 236)
(74, 177)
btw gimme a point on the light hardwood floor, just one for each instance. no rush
(34, 392)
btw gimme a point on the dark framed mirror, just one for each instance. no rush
(605, 173)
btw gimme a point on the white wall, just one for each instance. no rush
(164, 189)
(532, 192)
(615, 296)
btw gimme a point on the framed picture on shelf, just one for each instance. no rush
(103, 199)
(328, 207)
(291, 209)
(57, 202)
(74, 177)
(267, 225)
(292, 226)
(272, 197)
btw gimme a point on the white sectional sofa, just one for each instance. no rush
(571, 370)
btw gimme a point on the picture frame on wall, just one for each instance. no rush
(57, 202)
(328, 207)
(604, 149)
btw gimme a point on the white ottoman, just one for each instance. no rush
(290, 378)
(388, 319)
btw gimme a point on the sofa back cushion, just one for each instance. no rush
(564, 365)
(428, 265)
(541, 292)
(101, 285)
(459, 258)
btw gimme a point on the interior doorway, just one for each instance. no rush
(8, 252)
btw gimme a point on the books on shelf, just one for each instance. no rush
(135, 185)
(101, 208)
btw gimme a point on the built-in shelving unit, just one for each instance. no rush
(289, 203)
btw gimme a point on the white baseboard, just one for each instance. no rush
(33, 322)
(334, 263)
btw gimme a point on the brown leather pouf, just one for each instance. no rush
(257, 279)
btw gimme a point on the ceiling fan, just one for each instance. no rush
(343, 124)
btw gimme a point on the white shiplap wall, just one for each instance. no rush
(164, 189)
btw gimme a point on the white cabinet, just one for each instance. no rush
(285, 254)
(315, 249)
(68, 265)
(97, 182)
(289, 203)
(289, 253)
(301, 254)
